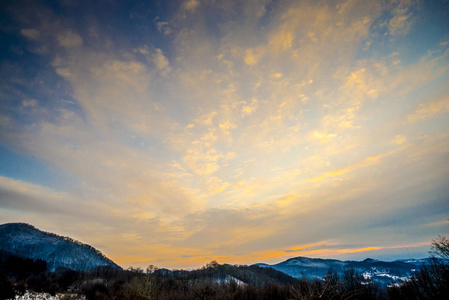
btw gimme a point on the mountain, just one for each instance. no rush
(380, 272)
(26, 241)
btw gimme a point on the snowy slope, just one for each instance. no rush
(381, 272)
(27, 241)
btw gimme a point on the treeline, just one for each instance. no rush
(217, 281)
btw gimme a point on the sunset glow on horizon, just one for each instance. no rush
(174, 133)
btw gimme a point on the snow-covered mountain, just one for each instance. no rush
(380, 272)
(26, 241)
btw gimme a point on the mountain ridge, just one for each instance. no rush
(25, 240)
(383, 273)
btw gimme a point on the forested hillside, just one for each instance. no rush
(26, 241)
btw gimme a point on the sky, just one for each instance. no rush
(174, 133)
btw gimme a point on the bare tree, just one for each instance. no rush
(440, 247)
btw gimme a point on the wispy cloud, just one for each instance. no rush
(430, 110)
(400, 22)
(69, 39)
(31, 33)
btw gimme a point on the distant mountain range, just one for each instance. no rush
(26, 241)
(380, 272)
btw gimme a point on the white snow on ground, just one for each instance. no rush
(367, 275)
(228, 279)
(415, 261)
(374, 273)
(45, 296)
(310, 264)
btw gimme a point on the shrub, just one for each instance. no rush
(6, 288)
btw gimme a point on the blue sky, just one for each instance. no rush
(177, 132)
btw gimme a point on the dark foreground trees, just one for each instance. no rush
(432, 281)
(6, 288)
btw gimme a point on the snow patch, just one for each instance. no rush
(228, 279)
(45, 296)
